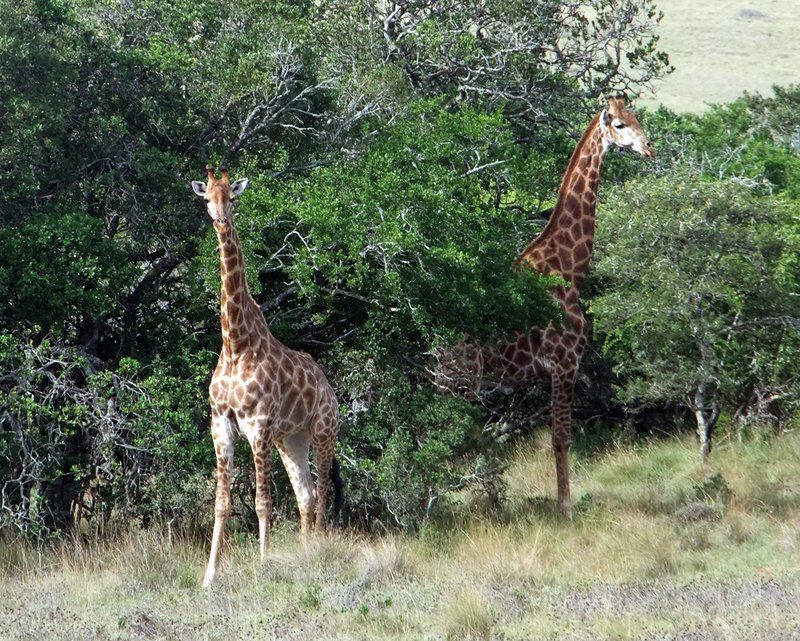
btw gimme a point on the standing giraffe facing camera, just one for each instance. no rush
(564, 248)
(273, 395)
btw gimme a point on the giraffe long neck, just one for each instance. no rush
(244, 329)
(565, 245)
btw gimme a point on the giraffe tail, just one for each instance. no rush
(338, 493)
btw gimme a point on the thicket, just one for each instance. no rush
(399, 154)
(696, 292)
(698, 303)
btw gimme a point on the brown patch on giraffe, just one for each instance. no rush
(565, 258)
(554, 264)
(253, 388)
(572, 203)
(300, 377)
(215, 388)
(287, 366)
(523, 342)
(299, 413)
(520, 358)
(581, 253)
(235, 315)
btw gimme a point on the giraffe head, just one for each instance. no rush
(220, 195)
(621, 129)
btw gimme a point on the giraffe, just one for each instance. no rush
(563, 248)
(273, 395)
(473, 370)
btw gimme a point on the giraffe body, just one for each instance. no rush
(472, 369)
(564, 247)
(273, 395)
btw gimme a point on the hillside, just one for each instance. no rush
(720, 48)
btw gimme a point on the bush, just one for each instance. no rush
(692, 306)
(381, 259)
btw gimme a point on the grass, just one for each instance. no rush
(720, 48)
(467, 616)
(661, 547)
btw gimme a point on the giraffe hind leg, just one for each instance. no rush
(563, 391)
(261, 445)
(324, 441)
(338, 494)
(294, 450)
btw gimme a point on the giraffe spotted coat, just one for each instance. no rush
(273, 395)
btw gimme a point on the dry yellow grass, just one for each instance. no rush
(661, 546)
(721, 48)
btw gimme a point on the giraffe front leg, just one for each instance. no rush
(563, 390)
(261, 444)
(222, 435)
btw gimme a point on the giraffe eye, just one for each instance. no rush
(619, 125)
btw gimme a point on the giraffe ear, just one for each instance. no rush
(199, 188)
(605, 118)
(239, 186)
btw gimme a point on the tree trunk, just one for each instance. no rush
(59, 492)
(705, 416)
(57, 508)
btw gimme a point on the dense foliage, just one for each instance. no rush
(398, 155)
(697, 303)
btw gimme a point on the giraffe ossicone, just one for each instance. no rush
(564, 248)
(273, 395)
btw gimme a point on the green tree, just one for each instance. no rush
(109, 277)
(372, 263)
(695, 303)
(536, 59)
(753, 138)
